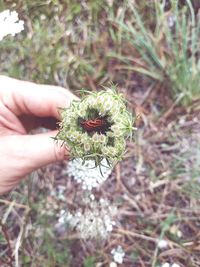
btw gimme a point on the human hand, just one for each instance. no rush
(25, 106)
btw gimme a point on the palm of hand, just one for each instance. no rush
(25, 106)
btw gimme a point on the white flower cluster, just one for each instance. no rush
(93, 222)
(87, 174)
(118, 254)
(10, 23)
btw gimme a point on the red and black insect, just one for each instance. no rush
(99, 125)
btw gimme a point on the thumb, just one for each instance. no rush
(26, 153)
(42, 149)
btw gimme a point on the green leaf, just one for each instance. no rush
(89, 261)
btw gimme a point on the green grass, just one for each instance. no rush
(89, 261)
(167, 53)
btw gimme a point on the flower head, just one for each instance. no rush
(96, 127)
(10, 23)
(94, 221)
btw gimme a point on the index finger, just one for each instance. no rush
(23, 97)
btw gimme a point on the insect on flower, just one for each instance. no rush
(99, 125)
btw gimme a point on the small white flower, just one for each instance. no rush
(175, 265)
(118, 254)
(92, 197)
(113, 264)
(10, 23)
(43, 17)
(109, 228)
(166, 264)
(162, 244)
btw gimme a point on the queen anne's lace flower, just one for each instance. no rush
(87, 174)
(10, 23)
(94, 221)
(90, 139)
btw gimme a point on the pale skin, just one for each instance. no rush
(25, 106)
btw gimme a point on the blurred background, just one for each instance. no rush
(150, 50)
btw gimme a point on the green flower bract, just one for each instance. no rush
(106, 141)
